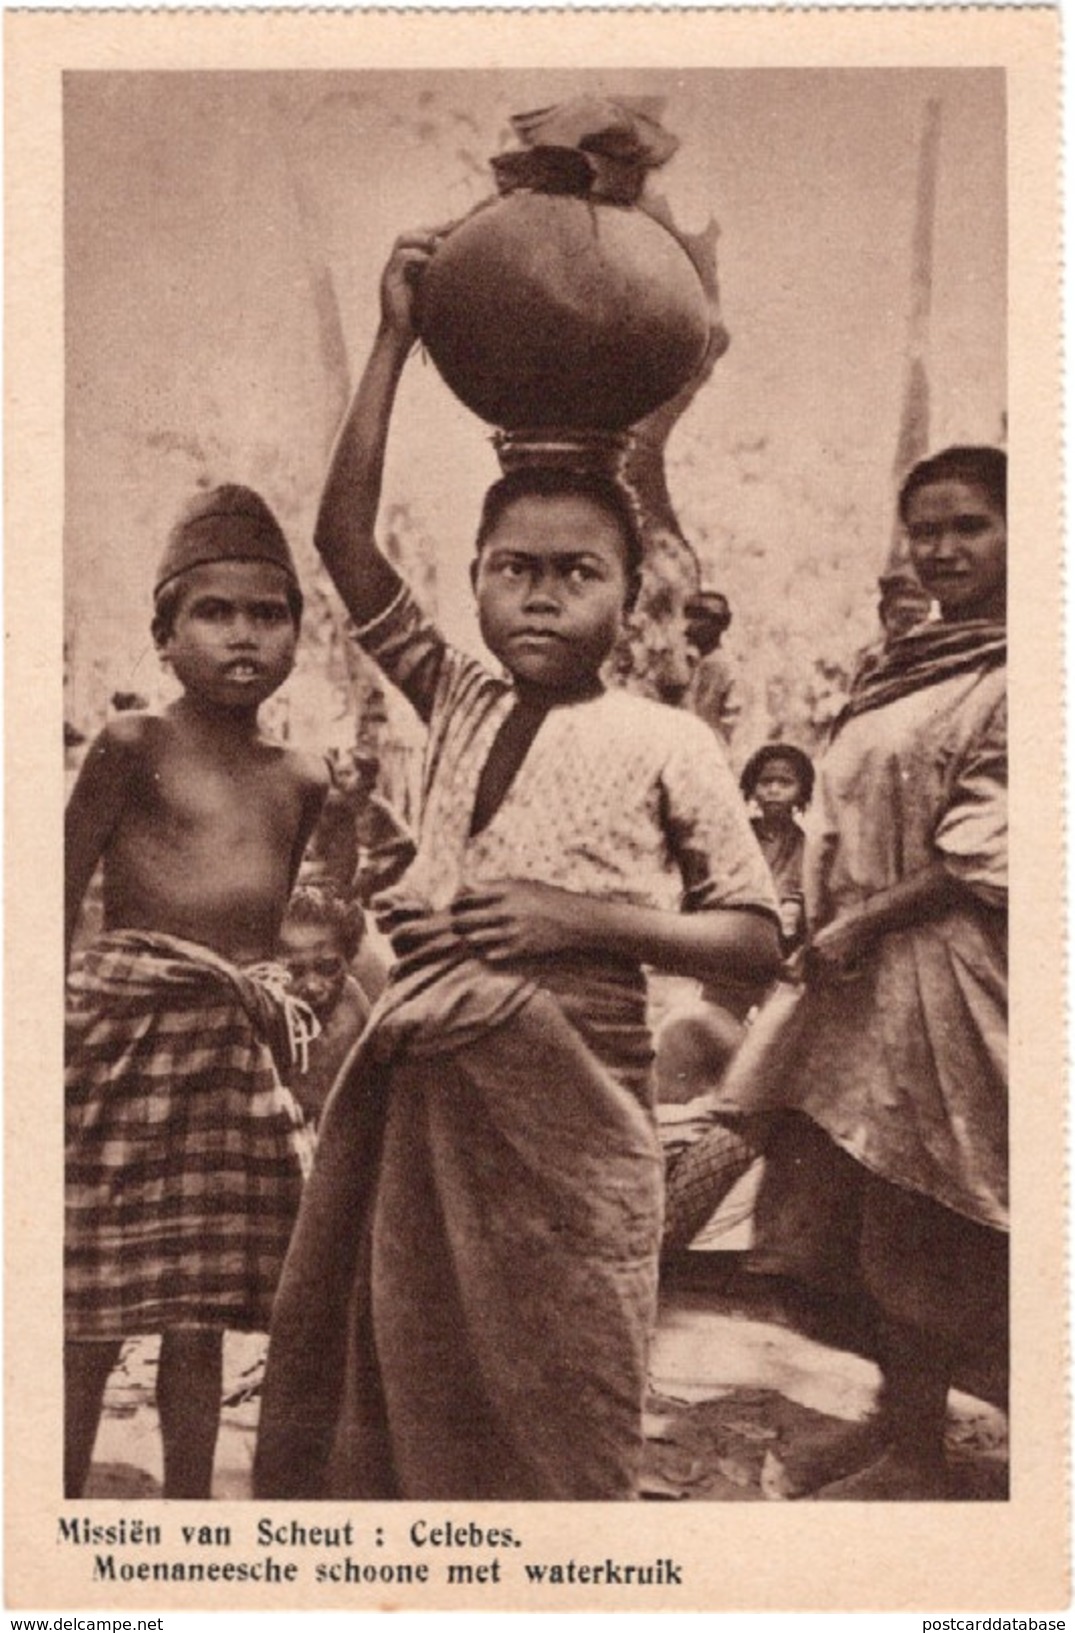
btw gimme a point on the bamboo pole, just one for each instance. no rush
(912, 441)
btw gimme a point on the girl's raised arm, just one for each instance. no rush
(344, 534)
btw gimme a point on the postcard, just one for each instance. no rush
(509, 511)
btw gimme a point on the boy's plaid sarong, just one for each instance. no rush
(185, 1154)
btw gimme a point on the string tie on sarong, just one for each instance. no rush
(301, 1025)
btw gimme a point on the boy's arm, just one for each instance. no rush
(97, 800)
(523, 919)
(344, 534)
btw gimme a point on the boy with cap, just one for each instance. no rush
(184, 1153)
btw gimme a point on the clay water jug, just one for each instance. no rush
(554, 306)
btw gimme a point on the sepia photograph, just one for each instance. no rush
(531, 599)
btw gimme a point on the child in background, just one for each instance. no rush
(779, 778)
(183, 1150)
(902, 606)
(714, 695)
(706, 1153)
(385, 846)
(360, 845)
(319, 940)
(468, 1298)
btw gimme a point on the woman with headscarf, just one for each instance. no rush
(893, 1185)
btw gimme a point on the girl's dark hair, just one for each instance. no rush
(979, 465)
(804, 768)
(554, 482)
(169, 600)
(322, 905)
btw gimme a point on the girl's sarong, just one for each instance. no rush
(184, 1153)
(466, 1306)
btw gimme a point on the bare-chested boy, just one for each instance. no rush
(184, 1152)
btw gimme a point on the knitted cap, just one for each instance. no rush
(229, 523)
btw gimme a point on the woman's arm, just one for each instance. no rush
(516, 919)
(344, 534)
(911, 901)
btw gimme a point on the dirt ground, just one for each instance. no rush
(728, 1383)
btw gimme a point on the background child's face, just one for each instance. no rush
(551, 581)
(315, 961)
(901, 611)
(959, 546)
(704, 633)
(233, 639)
(778, 789)
(353, 776)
